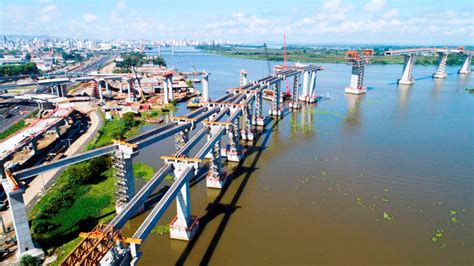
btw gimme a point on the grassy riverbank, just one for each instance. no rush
(83, 195)
(317, 55)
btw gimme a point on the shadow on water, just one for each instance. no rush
(216, 208)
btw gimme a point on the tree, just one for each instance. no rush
(29, 260)
(28, 56)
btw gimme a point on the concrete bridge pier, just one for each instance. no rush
(166, 99)
(312, 88)
(295, 103)
(123, 165)
(466, 66)
(57, 131)
(441, 71)
(276, 109)
(234, 152)
(407, 74)
(247, 133)
(169, 81)
(216, 178)
(305, 92)
(101, 97)
(258, 118)
(130, 92)
(135, 253)
(183, 226)
(33, 147)
(357, 79)
(181, 138)
(205, 87)
(243, 77)
(20, 222)
(109, 91)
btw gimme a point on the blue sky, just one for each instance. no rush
(443, 22)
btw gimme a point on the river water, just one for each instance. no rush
(359, 180)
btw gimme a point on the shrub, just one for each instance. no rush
(29, 260)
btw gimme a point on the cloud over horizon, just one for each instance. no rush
(304, 21)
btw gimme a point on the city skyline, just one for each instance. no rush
(331, 21)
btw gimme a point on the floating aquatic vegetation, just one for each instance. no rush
(387, 216)
(266, 188)
(384, 200)
(386, 190)
(161, 229)
(438, 234)
(453, 213)
(359, 201)
(323, 173)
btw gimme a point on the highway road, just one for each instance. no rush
(92, 66)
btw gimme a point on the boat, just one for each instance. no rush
(195, 103)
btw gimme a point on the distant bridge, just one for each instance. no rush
(410, 57)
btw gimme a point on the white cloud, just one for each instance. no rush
(239, 23)
(44, 18)
(48, 9)
(88, 17)
(376, 5)
(391, 13)
(121, 4)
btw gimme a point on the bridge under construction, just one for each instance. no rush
(236, 115)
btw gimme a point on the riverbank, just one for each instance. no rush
(312, 55)
(83, 195)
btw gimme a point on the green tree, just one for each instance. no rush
(28, 56)
(28, 260)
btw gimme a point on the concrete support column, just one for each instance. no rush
(34, 147)
(276, 109)
(121, 87)
(183, 226)
(58, 90)
(305, 85)
(357, 79)
(109, 92)
(295, 104)
(20, 222)
(466, 66)
(101, 97)
(169, 80)
(57, 131)
(205, 87)
(441, 71)
(129, 95)
(135, 254)
(312, 86)
(407, 74)
(243, 77)
(247, 132)
(216, 178)
(234, 151)
(165, 92)
(181, 138)
(259, 119)
(123, 165)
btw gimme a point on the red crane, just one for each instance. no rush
(285, 65)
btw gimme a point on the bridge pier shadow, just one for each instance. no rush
(216, 208)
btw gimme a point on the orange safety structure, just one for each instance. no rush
(352, 55)
(95, 245)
